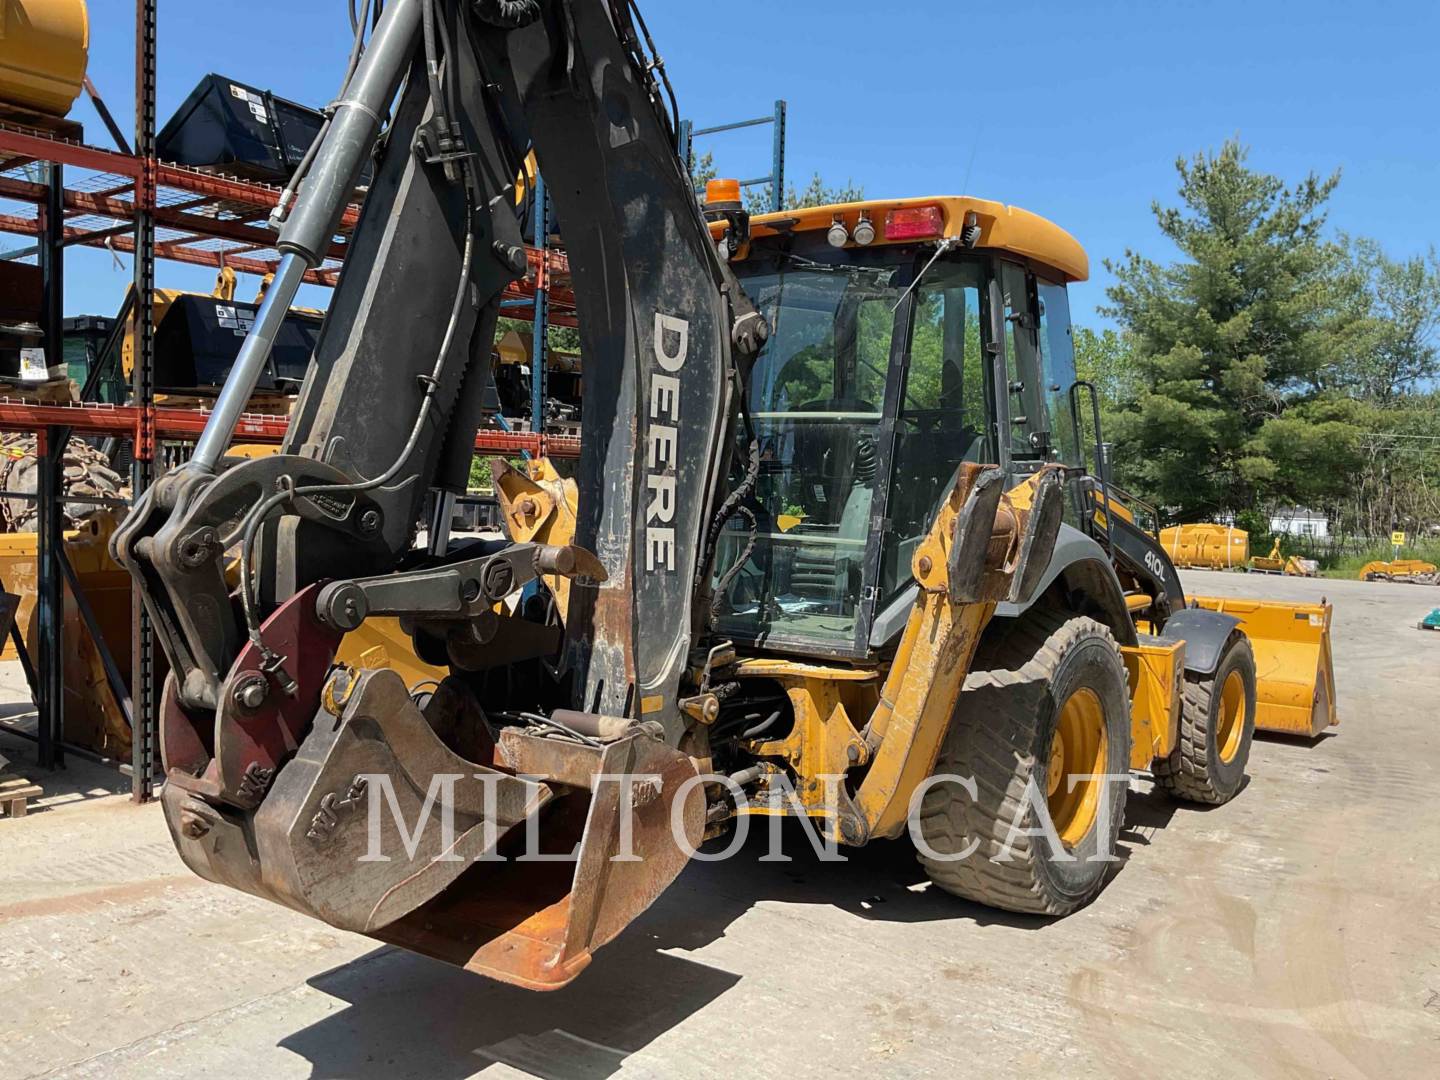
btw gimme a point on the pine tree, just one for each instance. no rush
(1226, 336)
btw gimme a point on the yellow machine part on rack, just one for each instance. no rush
(93, 719)
(44, 50)
(1294, 668)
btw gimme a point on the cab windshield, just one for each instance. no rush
(866, 399)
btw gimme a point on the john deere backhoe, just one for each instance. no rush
(831, 537)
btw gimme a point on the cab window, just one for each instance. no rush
(1057, 363)
(1029, 423)
(941, 419)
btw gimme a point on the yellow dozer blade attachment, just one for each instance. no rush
(1295, 672)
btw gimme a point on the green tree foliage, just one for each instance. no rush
(759, 200)
(1107, 359)
(815, 193)
(1392, 349)
(702, 169)
(562, 338)
(1225, 337)
(1270, 365)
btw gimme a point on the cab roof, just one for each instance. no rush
(1003, 228)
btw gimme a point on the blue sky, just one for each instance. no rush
(1074, 110)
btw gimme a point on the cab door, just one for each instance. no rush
(1039, 368)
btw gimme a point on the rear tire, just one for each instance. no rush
(1047, 671)
(1209, 759)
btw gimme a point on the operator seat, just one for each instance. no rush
(836, 462)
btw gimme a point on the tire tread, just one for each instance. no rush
(1185, 772)
(992, 739)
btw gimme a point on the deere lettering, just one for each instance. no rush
(672, 342)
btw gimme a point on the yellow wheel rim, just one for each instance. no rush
(1230, 723)
(1077, 749)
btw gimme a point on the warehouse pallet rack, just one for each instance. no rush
(64, 192)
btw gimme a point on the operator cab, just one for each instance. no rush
(943, 339)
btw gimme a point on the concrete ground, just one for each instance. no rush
(1292, 933)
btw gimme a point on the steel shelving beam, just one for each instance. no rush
(49, 526)
(144, 693)
(185, 425)
(776, 179)
(540, 314)
(196, 209)
(138, 205)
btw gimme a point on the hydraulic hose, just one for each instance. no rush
(263, 510)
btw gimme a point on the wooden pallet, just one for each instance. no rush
(14, 793)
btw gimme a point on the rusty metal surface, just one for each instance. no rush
(536, 924)
(186, 740)
(311, 842)
(236, 761)
(306, 846)
(571, 764)
(251, 742)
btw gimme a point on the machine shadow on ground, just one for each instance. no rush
(1298, 742)
(409, 1016)
(613, 1009)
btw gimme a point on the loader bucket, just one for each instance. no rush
(1295, 672)
(406, 821)
(536, 923)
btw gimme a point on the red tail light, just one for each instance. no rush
(914, 223)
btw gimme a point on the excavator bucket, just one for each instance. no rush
(536, 923)
(399, 816)
(1295, 672)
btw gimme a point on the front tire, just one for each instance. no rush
(1047, 699)
(1217, 725)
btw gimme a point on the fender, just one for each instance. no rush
(1204, 633)
(1080, 565)
(1077, 562)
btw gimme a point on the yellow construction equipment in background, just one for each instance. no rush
(92, 715)
(1294, 670)
(1415, 571)
(1276, 563)
(1205, 546)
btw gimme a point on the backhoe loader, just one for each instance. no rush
(831, 549)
